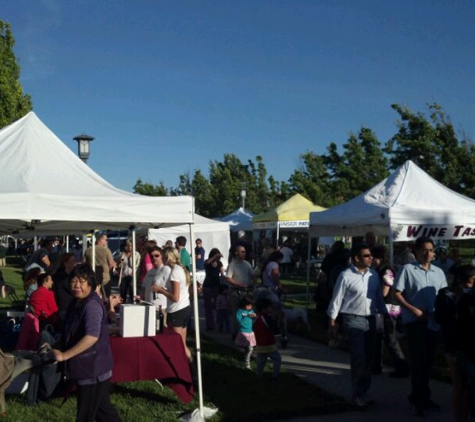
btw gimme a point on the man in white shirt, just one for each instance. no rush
(357, 296)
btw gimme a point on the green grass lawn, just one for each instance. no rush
(236, 392)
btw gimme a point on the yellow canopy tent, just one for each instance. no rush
(291, 214)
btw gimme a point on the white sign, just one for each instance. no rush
(409, 232)
(301, 224)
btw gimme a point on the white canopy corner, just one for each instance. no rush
(46, 189)
(407, 204)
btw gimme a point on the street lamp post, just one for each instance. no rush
(83, 146)
(243, 197)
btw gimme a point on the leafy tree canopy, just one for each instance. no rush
(13, 103)
(338, 176)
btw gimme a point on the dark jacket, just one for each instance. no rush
(62, 292)
(95, 361)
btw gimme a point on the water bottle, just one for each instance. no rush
(160, 320)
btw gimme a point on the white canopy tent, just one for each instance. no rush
(239, 219)
(214, 234)
(46, 189)
(406, 205)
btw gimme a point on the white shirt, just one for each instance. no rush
(178, 275)
(157, 277)
(357, 293)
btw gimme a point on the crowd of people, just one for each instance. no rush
(427, 295)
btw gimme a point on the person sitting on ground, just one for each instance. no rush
(42, 301)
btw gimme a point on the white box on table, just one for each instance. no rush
(137, 320)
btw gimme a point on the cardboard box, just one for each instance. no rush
(137, 320)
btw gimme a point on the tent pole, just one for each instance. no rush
(84, 244)
(391, 249)
(66, 241)
(134, 265)
(308, 268)
(196, 314)
(277, 237)
(94, 250)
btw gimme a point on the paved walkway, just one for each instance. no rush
(329, 369)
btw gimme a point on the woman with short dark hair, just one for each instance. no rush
(85, 348)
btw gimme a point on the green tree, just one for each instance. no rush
(361, 165)
(148, 189)
(13, 103)
(432, 143)
(201, 189)
(312, 179)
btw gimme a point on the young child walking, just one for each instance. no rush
(222, 309)
(265, 339)
(245, 337)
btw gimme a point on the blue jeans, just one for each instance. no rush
(223, 320)
(361, 333)
(261, 360)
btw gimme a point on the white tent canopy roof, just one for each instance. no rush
(407, 204)
(214, 234)
(239, 219)
(44, 186)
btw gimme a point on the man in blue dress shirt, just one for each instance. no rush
(416, 288)
(357, 297)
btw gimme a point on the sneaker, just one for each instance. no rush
(431, 406)
(417, 410)
(359, 403)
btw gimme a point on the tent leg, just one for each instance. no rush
(308, 270)
(196, 315)
(134, 269)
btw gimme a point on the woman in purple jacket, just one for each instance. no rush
(85, 349)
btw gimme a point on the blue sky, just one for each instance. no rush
(165, 86)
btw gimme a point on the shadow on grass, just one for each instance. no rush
(240, 396)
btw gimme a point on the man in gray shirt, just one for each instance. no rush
(416, 288)
(357, 296)
(241, 278)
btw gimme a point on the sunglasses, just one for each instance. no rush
(155, 255)
(368, 255)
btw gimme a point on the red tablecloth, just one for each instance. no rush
(160, 357)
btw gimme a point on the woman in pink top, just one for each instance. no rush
(146, 263)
